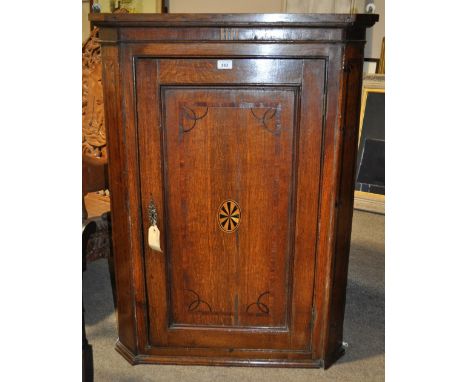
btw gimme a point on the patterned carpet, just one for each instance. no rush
(364, 329)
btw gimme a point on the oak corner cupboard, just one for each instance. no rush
(232, 142)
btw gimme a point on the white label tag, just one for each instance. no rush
(153, 238)
(224, 64)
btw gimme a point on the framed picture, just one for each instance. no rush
(370, 167)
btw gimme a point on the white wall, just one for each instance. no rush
(217, 6)
(151, 6)
(376, 33)
(84, 21)
(143, 6)
(324, 6)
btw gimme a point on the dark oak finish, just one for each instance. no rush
(251, 171)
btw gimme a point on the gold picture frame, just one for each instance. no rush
(367, 201)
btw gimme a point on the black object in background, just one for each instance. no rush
(370, 174)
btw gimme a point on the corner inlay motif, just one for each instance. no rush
(261, 306)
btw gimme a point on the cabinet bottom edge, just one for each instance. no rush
(136, 359)
(335, 356)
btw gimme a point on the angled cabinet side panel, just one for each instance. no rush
(119, 195)
(352, 79)
(327, 217)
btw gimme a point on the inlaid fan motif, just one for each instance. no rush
(229, 216)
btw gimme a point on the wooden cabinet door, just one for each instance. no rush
(231, 158)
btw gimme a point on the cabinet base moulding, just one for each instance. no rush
(137, 359)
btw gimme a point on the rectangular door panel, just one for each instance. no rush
(229, 174)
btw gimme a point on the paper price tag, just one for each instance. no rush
(154, 238)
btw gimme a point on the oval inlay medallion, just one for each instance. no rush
(229, 215)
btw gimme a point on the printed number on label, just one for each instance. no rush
(224, 64)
